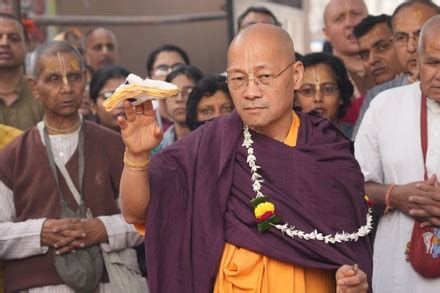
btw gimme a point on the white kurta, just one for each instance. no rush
(388, 148)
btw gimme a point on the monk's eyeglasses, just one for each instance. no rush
(238, 82)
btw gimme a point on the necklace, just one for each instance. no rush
(54, 130)
(264, 210)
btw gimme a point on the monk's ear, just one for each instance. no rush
(33, 86)
(298, 74)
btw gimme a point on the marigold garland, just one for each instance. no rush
(264, 209)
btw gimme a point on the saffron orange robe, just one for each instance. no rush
(242, 270)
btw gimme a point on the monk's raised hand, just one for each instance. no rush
(139, 130)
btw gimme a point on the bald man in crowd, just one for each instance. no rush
(223, 196)
(101, 48)
(340, 17)
(398, 149)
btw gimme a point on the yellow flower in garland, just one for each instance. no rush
(264, 212)
(264, 208)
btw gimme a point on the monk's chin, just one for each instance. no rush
(253, 120)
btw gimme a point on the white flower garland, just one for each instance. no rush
(290, 230)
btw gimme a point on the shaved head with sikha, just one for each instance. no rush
(262, 77)
(429, 58)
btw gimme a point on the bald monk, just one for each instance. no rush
(214, 204)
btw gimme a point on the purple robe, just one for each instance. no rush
(201, 192)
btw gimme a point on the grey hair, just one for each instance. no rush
(51, 48)
(430, 24)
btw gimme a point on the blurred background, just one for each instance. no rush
(203, 28)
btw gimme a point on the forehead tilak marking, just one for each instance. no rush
(379, 31)
(317, 79)
(248, 54)
(74, 64)
(416, 14)
(432, 44)
(413, 15)
(52, 64)
(62, 65)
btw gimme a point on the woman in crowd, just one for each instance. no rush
(208, 100)
(160, 63)
(326, 88)
(102, 85)
(185, 77)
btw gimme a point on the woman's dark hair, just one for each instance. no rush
(101, 76)
(207, 86)
(165, 48)
(192, 72)
(340, 74)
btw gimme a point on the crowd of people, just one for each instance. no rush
(285, 173)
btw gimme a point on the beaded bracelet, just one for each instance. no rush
(388, 198)
(137, 166)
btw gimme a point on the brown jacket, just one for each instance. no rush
(24, 168)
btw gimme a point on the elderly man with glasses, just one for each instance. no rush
(253, 201)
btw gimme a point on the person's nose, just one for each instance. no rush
(252, 90)
(350, 21)
(217, 113)
(412, 44)
(437, 74)
(373, 59)
(104, 50)
(317, 98)
(66, 88)
(180, 98)
(4, 40)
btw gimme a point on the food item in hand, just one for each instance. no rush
(138, 90)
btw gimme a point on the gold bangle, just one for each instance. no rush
(137, 166)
